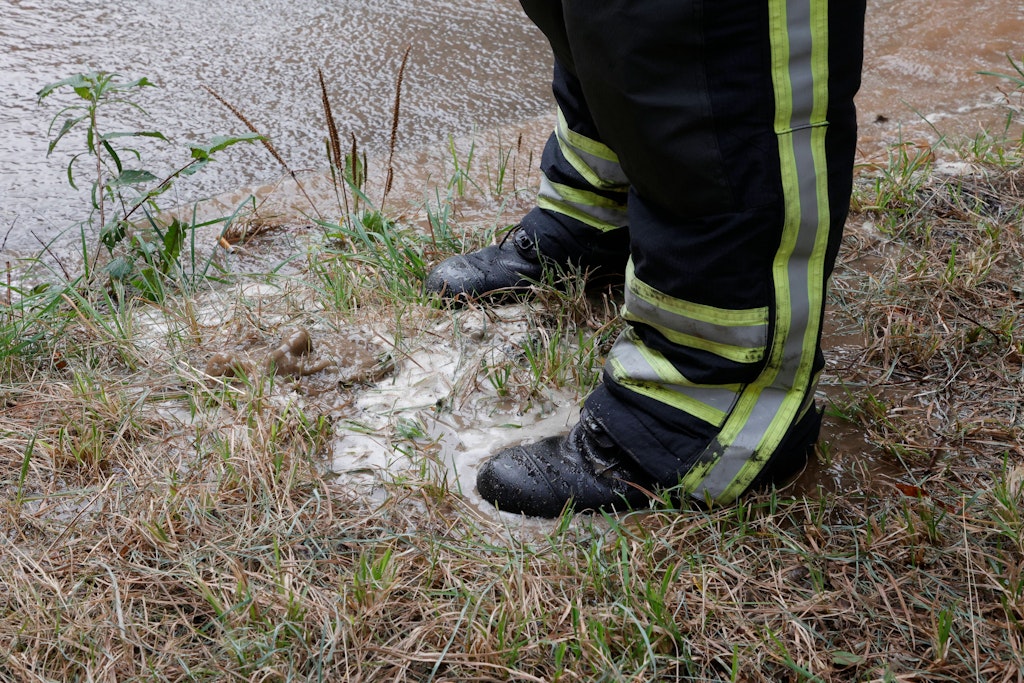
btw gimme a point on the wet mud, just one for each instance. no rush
(437, 417)
(335, 361)
(311, 361)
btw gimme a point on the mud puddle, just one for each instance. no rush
(847, 464)
(437, 417)
(418, 409)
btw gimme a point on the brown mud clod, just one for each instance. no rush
(348, 360)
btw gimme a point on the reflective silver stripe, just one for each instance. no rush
(771, 404)
(645, 371)
(593, 160)
(720, 327)
(597, 211)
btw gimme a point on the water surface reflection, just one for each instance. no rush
(473, 65)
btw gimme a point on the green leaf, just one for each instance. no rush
(221, 142)
(71, 167)
(137, 83)
(130, 176)
(112, 234)
(113, 155)
(71, 174)
(1010, 77)
(135, 134)
(69, 123)
(94, 86)
(174, 238)
(145, 249)
(119, 269)
(148, 283)
(194, 167)
(76, 82)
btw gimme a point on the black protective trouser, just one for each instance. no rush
(718, 139)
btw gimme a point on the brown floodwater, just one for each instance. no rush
(473, 66)
(921, 69)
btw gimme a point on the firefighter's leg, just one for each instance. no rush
(580, 221)
(735, 125)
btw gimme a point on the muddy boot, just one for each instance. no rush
(791, 457)
(505, 268)
(584, 469)
(521, 260)
(588, 471)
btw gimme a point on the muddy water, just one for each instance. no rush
(457, 418)
(471, 65)
(921, 68)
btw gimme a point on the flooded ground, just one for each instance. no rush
(472, 66)
(922, 64)
(474, 69)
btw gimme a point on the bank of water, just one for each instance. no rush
(472, 66)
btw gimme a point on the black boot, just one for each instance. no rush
(505, 268)
(584, 469)
(587, 470)
(521, 260)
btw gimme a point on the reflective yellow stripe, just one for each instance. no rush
(577, 213)
(770, 405)
(645, 371)
(660, 393)
(737, 335)
(598, 165)
(583, 143)
(575, 196)
(700, 312)
(780, 67)
(738, 354)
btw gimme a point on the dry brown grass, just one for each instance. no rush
(158, 524)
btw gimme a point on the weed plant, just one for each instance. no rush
(130, 249)
(144, 249)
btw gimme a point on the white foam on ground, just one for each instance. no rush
(438, 414)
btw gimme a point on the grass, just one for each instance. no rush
(159, 523)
